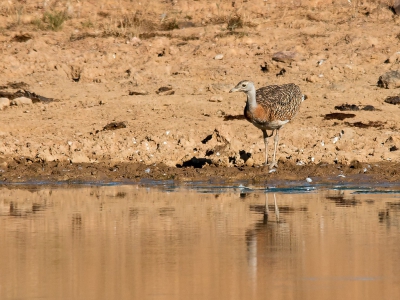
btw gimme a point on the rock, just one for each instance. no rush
(286, 56)
(219, 57)
(389, 80)
(21, 101)
(347, 107)
(165, 91)
(216, 98)
(4, 102)
(135, 41)
(368, 108)
(312, 78)
(79, 158)
(250, 162)
(113, 126)
(138, 93)
(393, 100)
(393, 58)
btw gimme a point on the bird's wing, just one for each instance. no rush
(280, 102)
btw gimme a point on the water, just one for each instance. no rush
(131, 242)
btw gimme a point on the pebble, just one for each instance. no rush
(308, 179)
(22, 101)
(216, 98)
(147, 170)
(286, 56)
(4, 102)
(219, 56)
(389, 80)
(250, 162)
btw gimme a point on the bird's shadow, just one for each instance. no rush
(232, 117)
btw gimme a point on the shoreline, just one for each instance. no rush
(62, 172)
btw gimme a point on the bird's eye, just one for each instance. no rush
(243, 85)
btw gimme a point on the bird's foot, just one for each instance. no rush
(273, 165)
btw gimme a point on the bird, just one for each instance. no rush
(270, 108)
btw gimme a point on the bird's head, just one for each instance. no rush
(244, 86)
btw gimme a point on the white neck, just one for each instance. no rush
(251, 98)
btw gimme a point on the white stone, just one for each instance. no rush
(219, 56)
(216, 98)
(22, 101)
(4, 102)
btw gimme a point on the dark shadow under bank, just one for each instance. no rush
(354, 183)
(287, 175)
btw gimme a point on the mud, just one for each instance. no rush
(25, 170)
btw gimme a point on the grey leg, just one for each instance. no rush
(276, 140)
(266, 136)
(276, 209)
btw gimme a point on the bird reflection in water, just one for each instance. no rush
(266, 238)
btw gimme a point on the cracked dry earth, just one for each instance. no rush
(155, 104)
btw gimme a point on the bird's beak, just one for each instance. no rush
(233, 90)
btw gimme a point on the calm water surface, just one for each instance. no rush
(130, 242)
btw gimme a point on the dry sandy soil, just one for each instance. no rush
(140, 89)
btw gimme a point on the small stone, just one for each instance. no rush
(147, 170)
(393, 58)
(79, 158)
(308, 179)
(219, 57)
(165, 91)
(312, 79)
(368, 108)
(393, 100)
(216, 98)
(22, 101)
(250, 162)
(4, 102)
(138, 93)
(286, 56)
(135, 41)
(389, 80)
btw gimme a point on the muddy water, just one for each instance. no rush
(129, 242)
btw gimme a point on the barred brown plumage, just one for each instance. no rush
(269, 108)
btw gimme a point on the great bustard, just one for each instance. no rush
(269, 108)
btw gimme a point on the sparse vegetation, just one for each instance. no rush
(128, 25)
(55, 19)
(234, 23)
(87, 24)
(170, 25)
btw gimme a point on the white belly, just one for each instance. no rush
(270, 125)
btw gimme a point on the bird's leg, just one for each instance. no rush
(266, 136)
(276, 209)
(276, 139)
